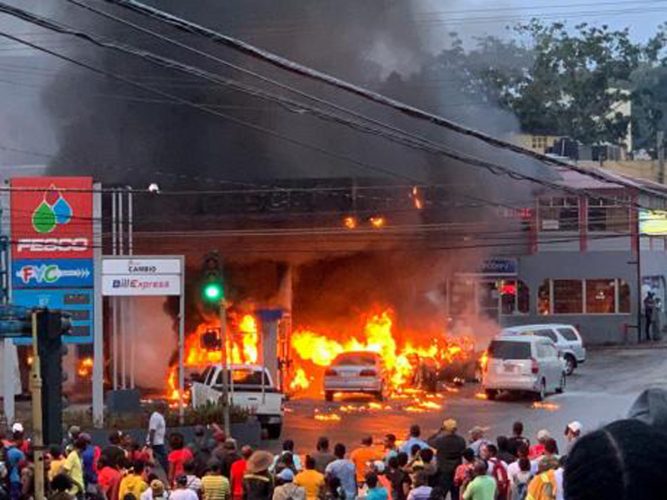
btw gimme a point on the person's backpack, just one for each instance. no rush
(521, 491)
(501, 477)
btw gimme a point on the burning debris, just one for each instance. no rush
(408, 363)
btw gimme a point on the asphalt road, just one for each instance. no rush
(600, 391)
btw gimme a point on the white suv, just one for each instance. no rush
(566, 337)
(523, 364)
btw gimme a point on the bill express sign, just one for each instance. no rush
(142, 276)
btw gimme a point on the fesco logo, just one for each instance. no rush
(53, 211)
(52, 245)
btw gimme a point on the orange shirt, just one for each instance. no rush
(361, 456)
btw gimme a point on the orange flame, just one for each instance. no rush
(299, 381)
(378, 336)
(242, 347)
(350, 222)
(85, 367)
(378, 222)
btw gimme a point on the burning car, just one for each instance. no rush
(361, 371)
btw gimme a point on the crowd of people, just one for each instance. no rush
(612, 462)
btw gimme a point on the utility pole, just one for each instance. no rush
(660, 146)
(37, 422)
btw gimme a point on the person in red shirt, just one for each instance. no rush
(108, 478)
(237, 472)
(537, 450)
(178, 456)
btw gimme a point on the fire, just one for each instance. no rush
(203, 348)
(378, 222)
(540, 405)
(299, 381)
(416, 199)
(350, 222)
(378, 336)
(85, 368)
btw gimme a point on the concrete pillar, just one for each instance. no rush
(269, 320)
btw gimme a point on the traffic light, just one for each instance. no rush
(51, 326)
(213, 289)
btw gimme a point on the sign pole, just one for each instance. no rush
(181, 347)
(225, 366)
(8, 380)
(37, 431)
(98, 335)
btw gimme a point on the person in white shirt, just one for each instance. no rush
(182, 492)
(157, 430)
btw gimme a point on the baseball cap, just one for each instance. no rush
(575, 426)
(543, 434)
(17, 427)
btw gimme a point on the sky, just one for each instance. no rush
(22, 73)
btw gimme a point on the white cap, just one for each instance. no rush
(17, 427)
(575, 426)
(543, 434)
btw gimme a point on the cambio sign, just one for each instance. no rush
(147, 275)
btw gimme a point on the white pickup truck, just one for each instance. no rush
(248, 389)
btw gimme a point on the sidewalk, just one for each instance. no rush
(632, 345)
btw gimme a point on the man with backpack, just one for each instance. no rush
(498, 470)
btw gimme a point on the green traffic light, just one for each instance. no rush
(213, 291)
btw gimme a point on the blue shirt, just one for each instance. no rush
(376, 494)
(14, 459)
(346, 473)
(407, 446)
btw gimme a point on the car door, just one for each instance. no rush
(556, 364)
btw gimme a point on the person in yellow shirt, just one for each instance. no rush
(57, 462)
(543, 486)
(73, 467)
(310, 480)
(134, 481)
(363, 455)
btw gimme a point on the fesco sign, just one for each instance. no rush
(142, 276)
(52, 217)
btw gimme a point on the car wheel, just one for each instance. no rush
(328, 396)
(491, 394)
(542, 394)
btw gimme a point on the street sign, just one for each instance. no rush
(141, 276)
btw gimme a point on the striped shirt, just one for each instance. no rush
(215, 487)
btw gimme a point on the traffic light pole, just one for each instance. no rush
(37, 435)
(225, 366)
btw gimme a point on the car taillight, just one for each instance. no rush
(330, 373)
(367, 373)
(534, 367)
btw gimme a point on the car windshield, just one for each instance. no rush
(355, 359)
(243, 376)
(503, 349)
(568, 334)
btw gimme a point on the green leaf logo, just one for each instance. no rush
(44, 218)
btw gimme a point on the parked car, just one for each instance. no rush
(566, 337)
(523, 363)
(250, 387)
(355, 372)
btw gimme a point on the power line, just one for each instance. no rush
(327, 79)
(418, 142)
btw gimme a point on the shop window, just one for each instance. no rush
(567, 297)
(514, 297)
(600, 296)
(559, 214)
(544, 298)
(610, 214)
